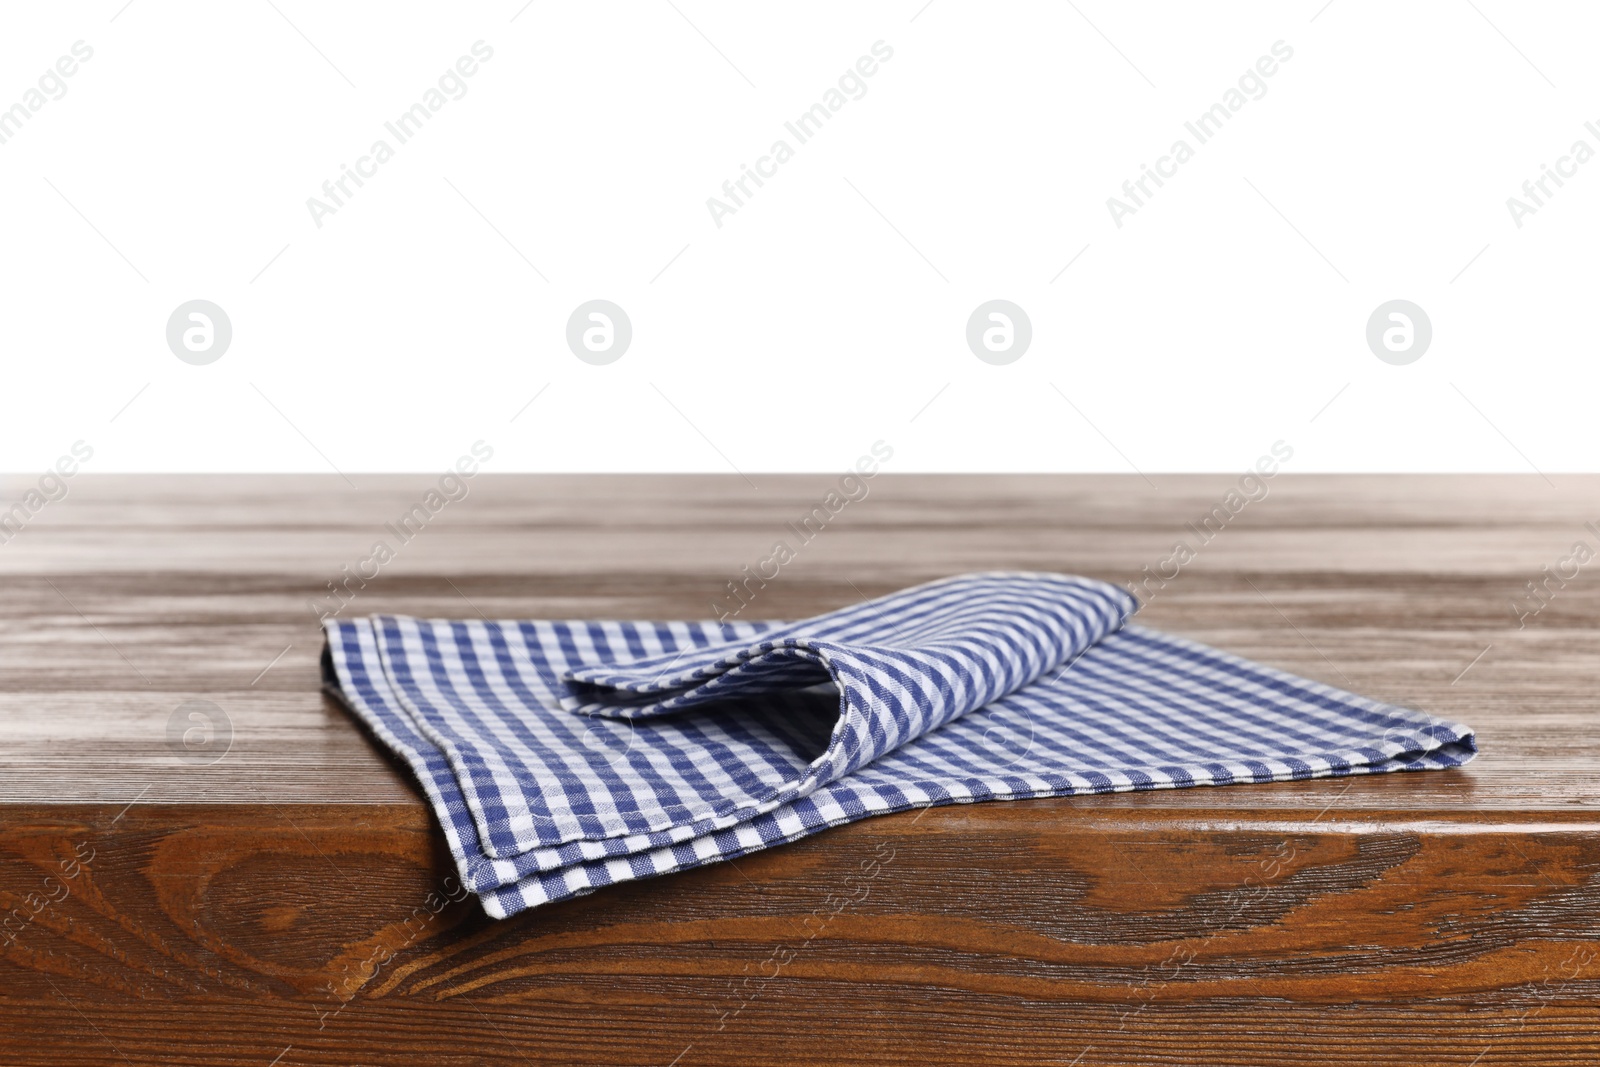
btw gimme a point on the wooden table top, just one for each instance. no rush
(279, 900)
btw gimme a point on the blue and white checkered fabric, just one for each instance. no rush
(565, 756)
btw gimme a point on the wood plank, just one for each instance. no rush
(279, 898)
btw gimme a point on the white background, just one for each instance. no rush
(827, 313)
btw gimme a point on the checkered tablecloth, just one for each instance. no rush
(561, 757)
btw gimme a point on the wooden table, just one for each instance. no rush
(279, 904)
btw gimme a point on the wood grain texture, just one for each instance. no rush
(290, 901)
